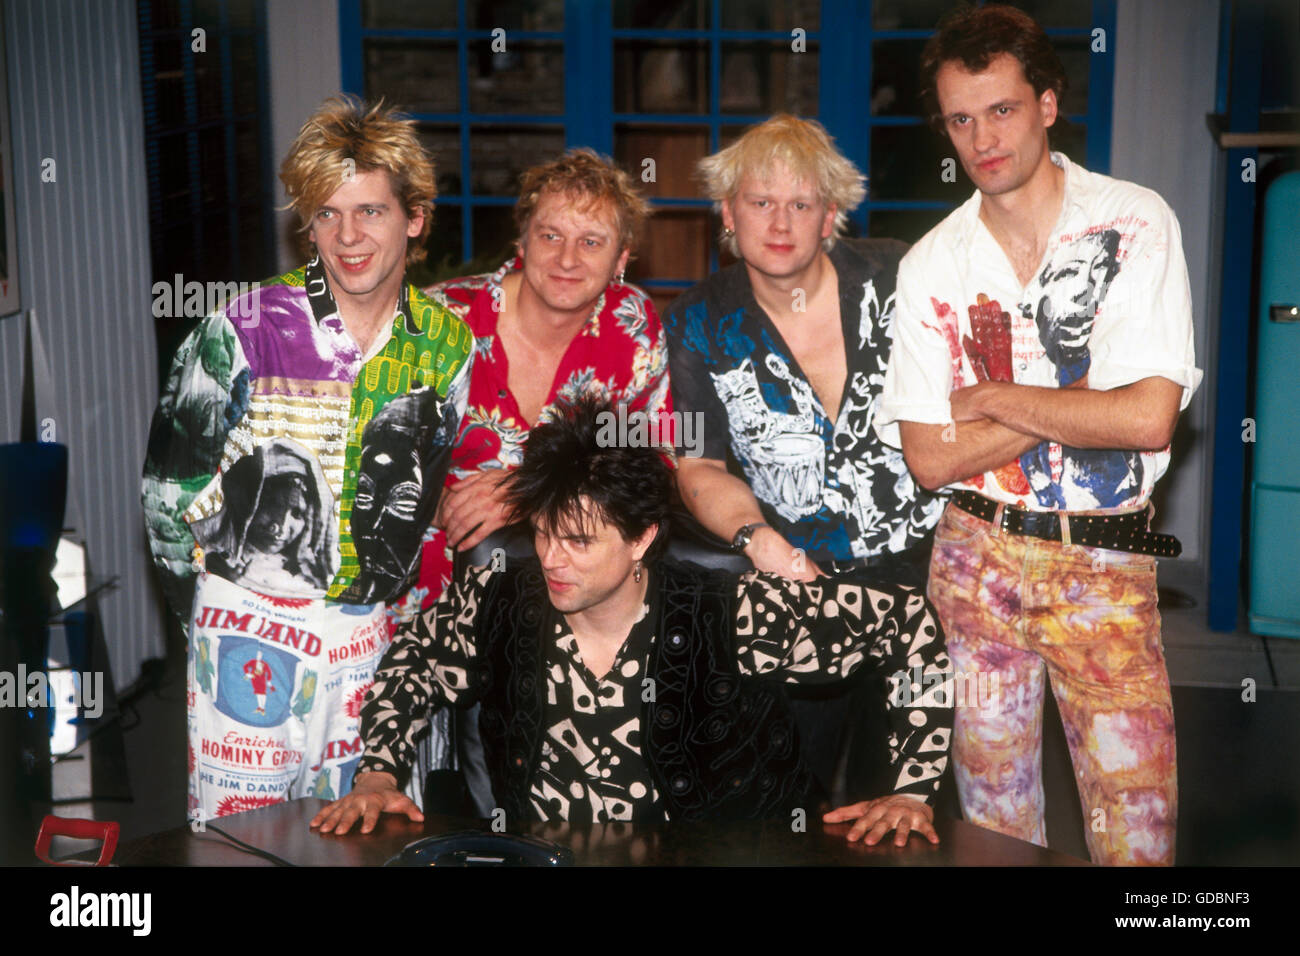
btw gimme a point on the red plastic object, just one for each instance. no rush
(53, 826)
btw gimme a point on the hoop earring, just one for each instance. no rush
(619, 278)
(636, 572)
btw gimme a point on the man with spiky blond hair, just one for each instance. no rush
(294, 463)
(783, 354)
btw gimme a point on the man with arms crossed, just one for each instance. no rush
(616, 686)
(1042, 353)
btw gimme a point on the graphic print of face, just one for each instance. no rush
(1072, 294)
(388, 493)
(779, 221)
(282, 514)
(586, 562)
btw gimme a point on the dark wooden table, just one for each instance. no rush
(283, 830)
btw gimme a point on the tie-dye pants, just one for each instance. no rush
(1015, 608)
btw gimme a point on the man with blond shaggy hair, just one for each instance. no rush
(784, 354)
(294, 463)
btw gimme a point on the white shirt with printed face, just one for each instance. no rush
(1110, 300)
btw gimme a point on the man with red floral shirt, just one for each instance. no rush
(552, 323)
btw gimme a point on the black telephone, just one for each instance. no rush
(479, 848)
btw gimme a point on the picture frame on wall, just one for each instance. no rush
(10, 300)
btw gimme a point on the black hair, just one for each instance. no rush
(973, 36)
(580, 453)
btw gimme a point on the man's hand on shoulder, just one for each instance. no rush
(772, 553)
(875, 818)
(372, 794)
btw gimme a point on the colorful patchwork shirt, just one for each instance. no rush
(620, 352)
(824, 480)
(289, 463)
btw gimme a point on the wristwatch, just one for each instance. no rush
(741, 539)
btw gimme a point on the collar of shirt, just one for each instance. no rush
(1072, 204)
(325, 310)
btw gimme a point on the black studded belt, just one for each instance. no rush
(1130, 531)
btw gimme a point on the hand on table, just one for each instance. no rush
(472, 509)
(875, 818)
(372, 794)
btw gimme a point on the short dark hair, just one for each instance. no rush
(974, 36)
(565, 460)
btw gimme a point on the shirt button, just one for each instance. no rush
(1023, 366)
(501, 393)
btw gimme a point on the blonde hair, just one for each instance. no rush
(584, 173)
(346, 136)
(805, 149)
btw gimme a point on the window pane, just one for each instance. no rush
(212, 166)
(906, 224)
(661, 14)
(242, 13)
(252, 244)
(173, 252)
(169, 77)
(243, 65)
(164, 14)
(675, 151)
(1075, 56)
(498, 154)
(1070, 139)
(676, 246)
(217, 257)
(661, 77)
(207, 14)
(768, 78)
(729, 134)
(174, 177)
(207, 83)
(908, 14)
(516, 15)
(529, 78)
(409, 14)
(896, 78)
(908, 162)
(663, 297)
(414, 75)
(443, 144)
(443, 245)
(248, 161)
(771, 14)
(494, 234)
(1056, 13)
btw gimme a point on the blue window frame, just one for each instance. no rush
(712, 55)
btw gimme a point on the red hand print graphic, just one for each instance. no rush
(990, 349)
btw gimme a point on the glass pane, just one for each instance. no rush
(499, 154)
(1075, 57)
(217, 259)
(663, 297)
(248, 161)
(169, 79)
(768, 78)
(414, 75)
(409, 14)
(729, 134)
(443, 144)
(1070, 139)
(653, 76)
(783, 15)
(173, 252)
(896, 78)
(443, 244)
(676, 246)
(906, 224)
(174, 177)
(207, 14)
(494, 235)
(242, 14)
(1056, 13)
(527, 78)
(254, 263)
(661, 14)
(908, 14)
(207, 84)
(675, 151)
(243, 66)
(908, 162)
(212, 166)
(164, 14)
(516, 15)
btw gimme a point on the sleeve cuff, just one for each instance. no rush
(1117, 376)
(888, 415)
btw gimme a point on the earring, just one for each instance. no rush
(727, 232)
(636, 572)
(619, 278)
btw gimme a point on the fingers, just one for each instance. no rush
(851, 812)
